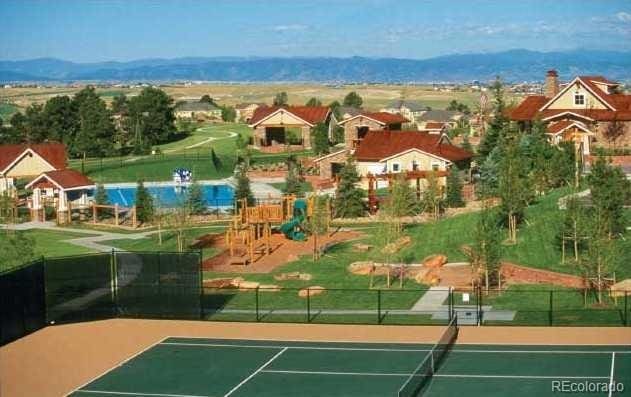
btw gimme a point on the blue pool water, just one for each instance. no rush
(172, 196)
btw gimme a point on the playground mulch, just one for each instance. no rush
(283, 252)
(60, 359)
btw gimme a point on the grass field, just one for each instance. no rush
(375, 96)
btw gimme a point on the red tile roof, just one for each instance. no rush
(432, 125)
(310, 114)
(386, 118)
(67, 179)
(378, 145)
(54, 153)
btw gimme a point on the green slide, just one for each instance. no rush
(291, 229)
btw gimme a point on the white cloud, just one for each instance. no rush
(292, 27)
(624, 16)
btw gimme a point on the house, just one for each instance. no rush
(278, 128)
(450, 117)
(411, 110)
(245, 111)
(62, 190)
(388, 152)
(27, 161)
(589, 111)
(347, 112)
(197, 111)
(433, 127)
(356, 127)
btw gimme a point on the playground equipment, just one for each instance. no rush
(250, 233)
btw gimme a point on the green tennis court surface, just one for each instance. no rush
(193, 367)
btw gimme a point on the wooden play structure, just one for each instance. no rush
(249, 236)
(120, 214)
(373, 200)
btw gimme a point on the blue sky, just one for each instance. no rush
(89, 31)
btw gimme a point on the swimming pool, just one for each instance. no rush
(215, 195)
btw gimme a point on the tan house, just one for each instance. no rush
(62, 190)
(273, 125)
(411, 110)
(388, 152)
(586, 111)
(28, 161)
(245, 111)
(356, 127)
(197, 111)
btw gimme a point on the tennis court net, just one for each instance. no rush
(423, 373)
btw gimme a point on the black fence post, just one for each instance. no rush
(479, 305)
(551, 308)
(256, 303)
(201, 286)
(308, 305)
(451, 304)
(378, 306)
(626, 308)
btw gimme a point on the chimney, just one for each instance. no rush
(552, 83)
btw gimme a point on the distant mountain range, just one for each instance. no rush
(512, 66)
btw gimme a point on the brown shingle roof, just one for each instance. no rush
(559, 126)
(378, 145)
(310, 114)
(54, 153)
(432, 125)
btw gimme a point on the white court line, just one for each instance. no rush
(386, 349)
(116, 366)
(613, 360)
(253, 374)
(435, 375)
(124, 393)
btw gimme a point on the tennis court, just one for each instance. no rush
(196, 367)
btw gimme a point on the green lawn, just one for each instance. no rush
(7, 110)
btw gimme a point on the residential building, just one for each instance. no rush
(356, 127)
(589, 111)
(450, 117)
(432, 127)
(279, 128)
(28, 161)
(411, 110)
(197, 111)
(245, 111)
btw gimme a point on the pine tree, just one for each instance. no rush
(466, 145)
(353, 99)
(348, 197)
(313, 102)
(610, 191)
(144, 203)
(100, 196)
(453, 196)
(497, 125)
(195, 201)
(281, 99)
(320, 141)
(243, 190)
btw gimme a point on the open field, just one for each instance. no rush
(375, 95)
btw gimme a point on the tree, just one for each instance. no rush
(432, 196)
(144, 203)
(319, 222)
(513, 187)
(453, 196)
(610, 191)
(466, 145)
(61, 117)
(353, 99)
(320, 141)
(313, 101)
(179, 221)
(574, 225)
(614, 131)
(294, 177)
(35, 128)
(497, 124)
(335, 108)
(100, 196)
(120, 105)
(281, 99)
(349, 201)
(195, 201)
(151, 118)
(207, 99)
(243, 190)
(228, 114)
(459, 107)
(95, 133)
(401, 202)
(487, 248)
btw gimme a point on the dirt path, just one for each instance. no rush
(58, 359)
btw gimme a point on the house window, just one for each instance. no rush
(414, 165)
(435, 166)
(396, 167)
(579, 99)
